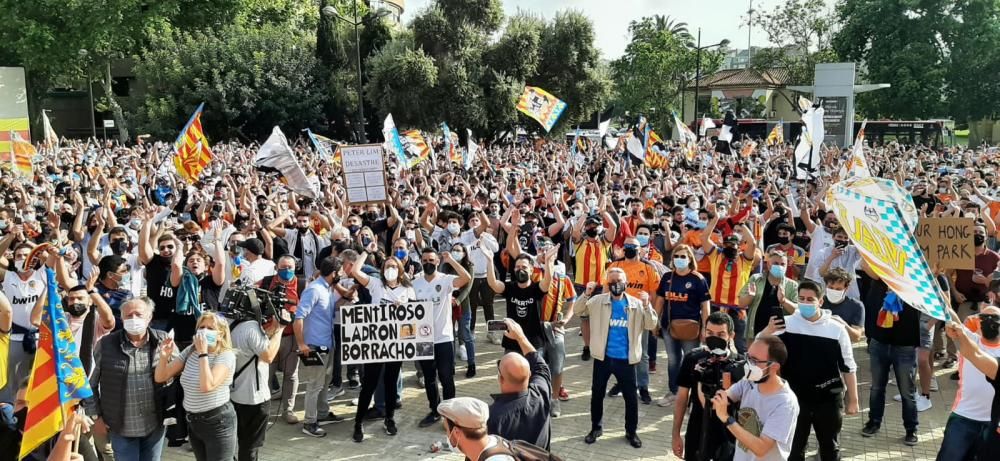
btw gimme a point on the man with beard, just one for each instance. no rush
(302, 241)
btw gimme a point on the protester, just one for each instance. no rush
(989, 366)
(682, 296)
(521, 411)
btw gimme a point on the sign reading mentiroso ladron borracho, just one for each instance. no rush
(375, 333)
(364, 173)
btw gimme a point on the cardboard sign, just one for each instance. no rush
(947, 242)
(364, 174)
(374, 333)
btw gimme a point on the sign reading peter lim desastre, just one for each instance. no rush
(375, 333)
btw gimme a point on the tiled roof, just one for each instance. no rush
(744, 79)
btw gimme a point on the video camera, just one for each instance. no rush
(251, 303)
(711, 372)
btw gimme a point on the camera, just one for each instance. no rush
(251, 303)
(712, 370)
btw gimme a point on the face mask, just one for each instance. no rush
(119, 247)
(22, 418)
(3, 224)
(493, 195)
(135, 223)
(134, 326)
(76, 309)
(979, 240)
(990, 329)
(643, 239)
(410, 235)
(353, 228)
(19, 265)
(592, 232)
(777, 271)
(681, 263)
(365, 241)
(717, 346)
(521, 276)
(784, 240)
(429, 268)
(729, 252)
(835, 296)
(391, 274)
(807, 311)
(453, 228)
(286, 275)
(694, 205)
(754, 373)
(631, 252)
(649, 194)
(617, 288)
(591, 203)
(126, 282)
(210, 336)
(577, 212)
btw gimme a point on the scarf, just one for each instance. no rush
(189, 295)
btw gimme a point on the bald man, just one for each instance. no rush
(521, 410)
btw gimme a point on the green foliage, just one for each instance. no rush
(399, 79)
(801, 31)
(973, 89)
(251, 78)
(657, 65)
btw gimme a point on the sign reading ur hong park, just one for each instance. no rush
(947, 242)
(364, 173)
(374, 333)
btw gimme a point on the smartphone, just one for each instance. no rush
(778, 312)
(496, 325)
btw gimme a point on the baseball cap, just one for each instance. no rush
(254, 245)
(731, 238)
(465, 412)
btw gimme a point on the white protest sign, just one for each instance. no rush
(364, 173)
(374, 333)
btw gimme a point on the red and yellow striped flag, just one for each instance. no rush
(58, 381)
(193, 152)
(655, 158)
(21, 155)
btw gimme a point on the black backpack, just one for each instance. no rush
(519, 450)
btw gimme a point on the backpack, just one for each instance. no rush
(519, 450)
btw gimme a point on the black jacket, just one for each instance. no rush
(525, 415)
(110, 378)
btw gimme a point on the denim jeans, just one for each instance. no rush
(651, 349)
(441, 367)
(675, 353)
(903, 360)
(146, 448)
(213, 434)
(962, 438)
(625, 374)
(465, 334)
(642, 368)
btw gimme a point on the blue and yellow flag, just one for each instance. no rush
(541, 106)
(58, 381)
(326, 147)
(451, 145)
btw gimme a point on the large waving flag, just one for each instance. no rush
(856, 164)
(656, 155)
(777, 135)
(879, 217)
(21, 154)
(688, 139)
(451, 145)
(541, 106)
(470, 151)
(58, 381)
(326, 147)
(415, 147)
(807, 152)
(393, 143)
(51, 138)
(193, 153)
(574, 149)
(275, 155)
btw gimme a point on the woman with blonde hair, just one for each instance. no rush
(206, 369)
(682, 304)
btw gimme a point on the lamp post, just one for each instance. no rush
(697, 72)
(90, 93)
(330, 12)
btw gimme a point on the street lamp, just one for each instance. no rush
(90, 92)
(697, 73)
(330, 12)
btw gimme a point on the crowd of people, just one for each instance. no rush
(735, 268)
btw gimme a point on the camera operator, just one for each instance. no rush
(706, 367)
(289, 286)
(256, 347)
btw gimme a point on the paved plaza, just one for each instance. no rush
(285, 442)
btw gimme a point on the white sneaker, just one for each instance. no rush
(462, 354)
(666, 401)
(898, 398)
(934, 384)
(924, 403)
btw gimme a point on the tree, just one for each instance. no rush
(899, 43)
(654, 70)
(251, 78)
(801, 31)
(975, 52)
(680, 29)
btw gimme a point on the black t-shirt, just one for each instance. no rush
(768, 301)
(849, 309)
(158, 287)
(905, 331)
(990, 449)
(524, 306)
(687, 377)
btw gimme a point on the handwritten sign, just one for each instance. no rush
(375, 333)
(364, 173)
(947, 242)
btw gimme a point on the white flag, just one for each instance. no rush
(276, 155)
(706, 124)
(470, 151)
(51, 139)
(602, 127)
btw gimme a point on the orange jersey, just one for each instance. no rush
(641, 277)
(592, 258)
(728, 277)
(560, 292)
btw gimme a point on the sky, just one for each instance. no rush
(719, 19)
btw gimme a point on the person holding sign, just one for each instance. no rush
(394, 288)
(436, 288)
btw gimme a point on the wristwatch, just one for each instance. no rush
(730, 421)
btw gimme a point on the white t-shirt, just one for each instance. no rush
(476, 255)
(397, 295)
(820, 239)
(438, 293)
(254, 272)
(23, 294)
(975, 396)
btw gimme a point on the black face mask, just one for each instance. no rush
(371, 215)
(784, 240)
(631, 253)
(76, 309)
(979, 240)
(729, 252)
(716, 343)
(521, 276)
(990, 329)
(429, 268)
(592, 232)
(840, 243)
(119, 247)
(617, 288)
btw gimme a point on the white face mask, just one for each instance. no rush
(754, 373)
(134, 326)
(410, 235)
(454, 228)
(835, 296)
(694, 205)
(391, 274)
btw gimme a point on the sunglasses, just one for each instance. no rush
(166, 247)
